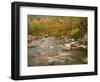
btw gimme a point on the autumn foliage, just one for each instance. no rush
(68, 26)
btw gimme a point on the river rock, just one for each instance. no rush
(55, 61)
(29, 40)
(32, 44)
(67, 47)
(51, 60)
(73, 43)
(29, 36)
(85, 60)
(83, 46)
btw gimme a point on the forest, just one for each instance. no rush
(57, 38)
(73, 27)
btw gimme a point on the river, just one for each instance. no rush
(47, 51)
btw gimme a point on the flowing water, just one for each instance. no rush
(48, 52)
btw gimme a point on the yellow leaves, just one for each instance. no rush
(34, 21)
(55, 25)
(74, 30)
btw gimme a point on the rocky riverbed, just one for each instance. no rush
(50, 50)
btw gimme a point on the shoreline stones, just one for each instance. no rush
(67, 44)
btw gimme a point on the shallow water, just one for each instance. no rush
(48, 52)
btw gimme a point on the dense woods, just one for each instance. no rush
(73, 27)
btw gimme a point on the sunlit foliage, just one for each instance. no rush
(74, 27)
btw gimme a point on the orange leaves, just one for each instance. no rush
(54, 25)
(34, 21)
